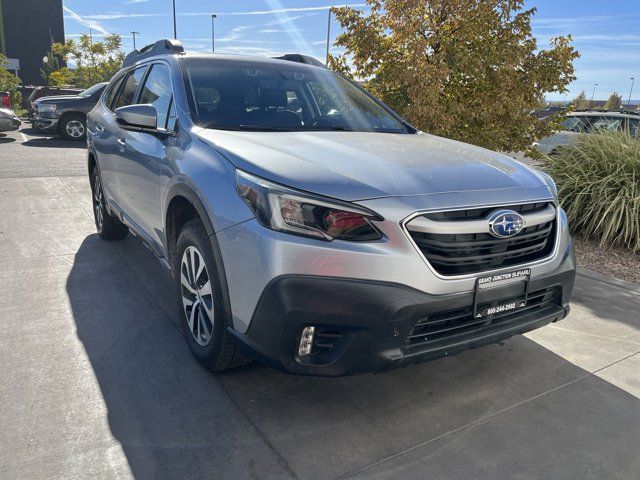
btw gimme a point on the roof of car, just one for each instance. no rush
(165, 47)
(609, 113)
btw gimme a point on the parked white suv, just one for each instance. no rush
(579, 123)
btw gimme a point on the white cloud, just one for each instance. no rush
(87, 21)
(276, 11)
(234, 34)
(135, 1)
(293, 9)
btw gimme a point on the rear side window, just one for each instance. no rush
(157, 92)
(633, 127)
(128, 91)
(112, 92)
(576, 124)
(609, 124)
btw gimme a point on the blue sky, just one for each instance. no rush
(607, 33)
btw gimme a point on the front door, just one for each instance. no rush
(141, 178)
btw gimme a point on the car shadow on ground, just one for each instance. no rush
(53, 142)
(590, 294)
(174, 419)
(5, 139)
(49, 140)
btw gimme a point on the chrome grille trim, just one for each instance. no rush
(547, 259)
(425, 225)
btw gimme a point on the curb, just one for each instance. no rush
(614, 282)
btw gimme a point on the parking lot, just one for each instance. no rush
(97, 381)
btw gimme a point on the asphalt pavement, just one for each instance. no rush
(96, 380)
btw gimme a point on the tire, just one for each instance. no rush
(73, 127)
(204, 315)
(108, 226)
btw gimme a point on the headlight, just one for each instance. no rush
(287, 210)
(47, 107)
(552, 185)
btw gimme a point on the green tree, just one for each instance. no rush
(614, 102)
(95, 61)
(465, 69)
(9, 83)
(581, 102)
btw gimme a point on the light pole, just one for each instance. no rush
(134, 38)
(175, 34)
(45, 60)
(594, 92)
(328, 36)
(213, 33)
(630, 91)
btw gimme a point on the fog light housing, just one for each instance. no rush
(306, 341)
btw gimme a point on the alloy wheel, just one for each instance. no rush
(197, 296)
(98, 201)
(74, 128)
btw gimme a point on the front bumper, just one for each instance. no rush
(9, 124)
(45, 124)
(366, 323)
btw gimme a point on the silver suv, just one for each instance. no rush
(308, 225)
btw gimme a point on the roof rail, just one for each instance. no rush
(598, 110)
(161, 47)
(299, 58)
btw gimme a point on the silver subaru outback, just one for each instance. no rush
(307, 225)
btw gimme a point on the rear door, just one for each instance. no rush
(100, 141)
(142, 177)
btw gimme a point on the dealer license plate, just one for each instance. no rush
(492, 281)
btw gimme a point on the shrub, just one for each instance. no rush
(598, 183)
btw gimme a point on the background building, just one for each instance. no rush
(27, 29)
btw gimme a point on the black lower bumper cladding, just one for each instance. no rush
(363, 326)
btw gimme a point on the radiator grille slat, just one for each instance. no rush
(438, 326)
(459, 254)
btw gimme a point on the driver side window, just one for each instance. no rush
(157, 91)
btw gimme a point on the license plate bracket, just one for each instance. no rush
(498, 280)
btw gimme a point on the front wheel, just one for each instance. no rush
(73, 127)
(203, 312)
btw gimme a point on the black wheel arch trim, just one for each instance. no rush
(183, 190)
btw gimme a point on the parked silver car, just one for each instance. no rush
(8, 120)
(308, 225)
(579, 123)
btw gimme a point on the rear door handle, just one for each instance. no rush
(122, 142)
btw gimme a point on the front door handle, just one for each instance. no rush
(122, 142)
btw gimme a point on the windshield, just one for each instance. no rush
(91, 90)
(237, 95)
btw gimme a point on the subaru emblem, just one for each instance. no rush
(505, 223)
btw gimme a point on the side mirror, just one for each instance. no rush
(137, 118)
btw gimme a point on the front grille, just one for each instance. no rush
(477, 213)
(468, 253)
(443, 325)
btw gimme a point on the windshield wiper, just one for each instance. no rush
(257, 128)
(264, 128)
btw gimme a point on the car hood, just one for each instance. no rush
(363, 165)
(58, 98)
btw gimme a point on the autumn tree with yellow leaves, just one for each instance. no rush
(465, 69)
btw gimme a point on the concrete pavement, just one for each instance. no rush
(97, 381)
